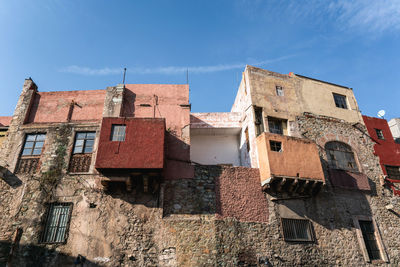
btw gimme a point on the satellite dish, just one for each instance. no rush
(381, 113)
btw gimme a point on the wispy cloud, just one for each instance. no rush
(168, 70)
(374, 16)
(369, 15)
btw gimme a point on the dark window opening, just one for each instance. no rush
(259, 120)
(275, 146)
(57, 223)
(368, 232)
(340, 156)
(340, 101)
(393, 172)
(379, 133)
(246, 132)
(275, 125)
(299, 230)
(118, 132)
(279, 91)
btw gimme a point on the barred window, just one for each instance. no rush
(299, 230)
(82, 153)
(28, 162)
(57, 223)
(118, 132)
(368, 233)
(340, 156)
(340, 101)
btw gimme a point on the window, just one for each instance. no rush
(118, 132)
(369, 238)
(57, 223)
(340, 101)
(368, 233)
(379, 133)
(259, 120)
(84, 142)
(393, 172)
(299, 230)
(33, 144)
(340, 156)
(275, 146)
(246, 132)
(82, 153)
(28, 163)
(279, 91)
(275, 125)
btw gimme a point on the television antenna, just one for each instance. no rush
(381, 113)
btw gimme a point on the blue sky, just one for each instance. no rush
(79, 45)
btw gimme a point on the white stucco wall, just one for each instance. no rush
(215, 149)
(394, 125)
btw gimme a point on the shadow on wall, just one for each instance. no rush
(10, 178)
(129, 104)
(334, 206)
(192, 196)
(38, 256)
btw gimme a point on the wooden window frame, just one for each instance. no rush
(391, 177)
(340, 101)
(361, 240)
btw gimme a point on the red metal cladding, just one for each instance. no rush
(143, 147)
(386, 149)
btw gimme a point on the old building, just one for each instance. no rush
(394, 125)
(4, 123)
(126, 176)
(387, 150)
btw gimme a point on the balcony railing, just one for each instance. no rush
(80, 162)
(27, 165)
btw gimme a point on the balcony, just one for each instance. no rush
(131, 144)
(289, 165)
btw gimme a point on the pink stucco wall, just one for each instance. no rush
(55, 106)
(5, 120)
(169, 101)
(239, 195)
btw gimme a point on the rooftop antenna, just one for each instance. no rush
(123, 81)
(187, 76)
(381, 113)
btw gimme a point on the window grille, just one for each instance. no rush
(118, 132)
(340, 156)
(368, 232)
(379, 133)
(393, 171)
(340, 101)
(275, 126)
(299, 230)
(84, 142)
(275, 146)
(279, 91)
(57, 223)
